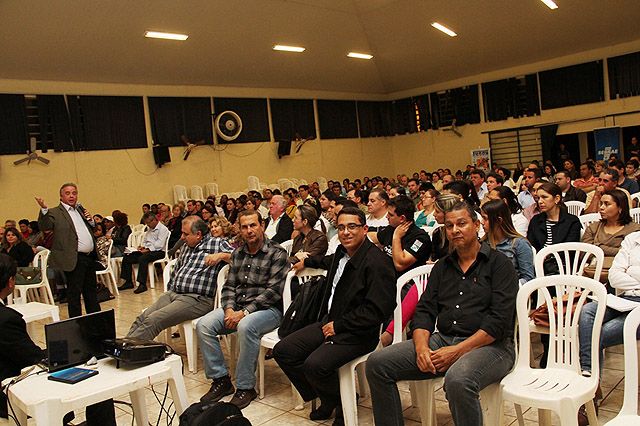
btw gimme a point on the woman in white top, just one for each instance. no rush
(520, 222)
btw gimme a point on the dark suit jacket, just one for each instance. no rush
(64, 250)
(364, 296)
(17, 350)
(575, 194)
(567, 230)
(284, 229)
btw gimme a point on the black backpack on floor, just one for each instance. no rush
(305, 306)
(213, 414)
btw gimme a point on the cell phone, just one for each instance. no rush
(72, 375)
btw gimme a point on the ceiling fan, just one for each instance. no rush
(31, 154)
(189, 146)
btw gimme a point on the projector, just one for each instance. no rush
(134, 351)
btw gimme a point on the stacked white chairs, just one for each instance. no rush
(322, 184)
(560, 387)
(197, 193)
(180, 194)
(253, 183)
(273, 186)
(286, 184)
(635, 214)
(628, 414)
(269, 340)
(575, 207)
(107, 274)
(211, 189)
(303, 182)
(42, 290)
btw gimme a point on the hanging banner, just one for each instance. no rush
(607, 142)
(481, 158)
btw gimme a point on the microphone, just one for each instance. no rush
(81, 209)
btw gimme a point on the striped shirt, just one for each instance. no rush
(255, 281)
(549, 224)
(191, 275)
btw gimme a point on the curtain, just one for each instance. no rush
(403, 117)
(254, 116)
(54, 122)
(292, 118)
(511, 97)
(13, 125)
(624, 75)
(171, 118)
(461, 104)
(374, 119)
(548, 141)
(574, 85)
(338, 119)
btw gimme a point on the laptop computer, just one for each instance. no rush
(76, 340)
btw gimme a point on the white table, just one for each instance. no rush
(47, 401)
(35, 311)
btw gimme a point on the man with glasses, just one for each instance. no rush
(359, 296)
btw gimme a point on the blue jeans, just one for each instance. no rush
(250, 330)
(611, 333)
(463, 381)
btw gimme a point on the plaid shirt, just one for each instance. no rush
(255, 281)
(191, 275)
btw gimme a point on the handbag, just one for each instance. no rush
(28, 275)
(540, 316)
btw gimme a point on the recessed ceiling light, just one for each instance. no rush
(550, 4)
(359, 55)
(444, 29)
(284, 48)
(166, 36)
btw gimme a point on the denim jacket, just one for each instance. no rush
(519, 251)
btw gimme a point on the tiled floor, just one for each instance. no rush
(277, 407)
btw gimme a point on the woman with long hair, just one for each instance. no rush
(120, 233)
(502, 236)
(230, 211)
(14, 245)
(519, 220)
(425, 216)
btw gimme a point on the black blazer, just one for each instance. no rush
(22, 253)
(120, 236)
(283, 230)
(567, 230)
(575, 194)
(365, 295)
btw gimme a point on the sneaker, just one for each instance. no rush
(219, 388)
(243, 397)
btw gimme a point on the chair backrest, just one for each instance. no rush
(135, 238)
(211, 189)
(635, 214)
(222, 278)
(109, 254)
(635, 199)
(575, 207)
(322, 184)
(630, 402)
(253, 183)
(166, 272)
(179, 193)
(139, 228)
(571, 258)
(303, 276)
(419, 276)
(433, 229)
(41, 259)
(588, 219)
(287, 246)
(563, 327)
(196, 192)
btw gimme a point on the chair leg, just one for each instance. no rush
(491, 400)
(591, 413)
(261, 355)
(192, 355)
(348, 394)
(152, 275)
(113, 284)
(569, 415)
(425, 396)
(519, 415)
(363, 385)
(544, 417)
(297, 398)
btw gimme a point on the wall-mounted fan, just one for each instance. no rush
(453, 128)
(189, 146)
(31, 154)
(228, 125)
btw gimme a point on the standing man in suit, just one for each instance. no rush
(73, 249)
(278, 226)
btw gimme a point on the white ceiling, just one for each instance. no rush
(230, 41)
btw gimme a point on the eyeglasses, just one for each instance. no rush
(349, 226)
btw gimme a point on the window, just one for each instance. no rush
(512, 97)
(513, 146)
(624, 75)
(461, 104)
(574, 85)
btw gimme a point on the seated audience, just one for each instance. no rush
(152, 249)
(120, 233)
(570, 168)
(439, 242)
(608, 233)
(518, 219)
(146, 208)
(14, 245)
(102, 246)
(359, 297)
(309, 243)
(208, 212)
(377, 217)
(525, 197)
(278, 225)
(630, 184)
(192, 285)
(587, 180)
(569, 192)
(35, 235)
(23, 224)
(425, 216)
(175, 225)
(477, 177)
(251, 305)
(471, 296)
(608, 181)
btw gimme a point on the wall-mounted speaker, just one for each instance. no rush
(161, 155)
(284, 148)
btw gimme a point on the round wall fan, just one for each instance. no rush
(228, 125)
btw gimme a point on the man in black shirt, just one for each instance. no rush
(408, 245)
(471, 294)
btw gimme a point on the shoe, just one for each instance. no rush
(140, 289)
(243, 397)
(219, 388)
(323, 412)
(339, 420)
(126, 286)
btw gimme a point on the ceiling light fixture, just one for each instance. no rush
(284, 48)
(550, 4)
(359, 55)
(444, 29)
(166, 36)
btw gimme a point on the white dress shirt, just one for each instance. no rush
(85, 240)
(272, 228)
(155, 238)
(341, 264)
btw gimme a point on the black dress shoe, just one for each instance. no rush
(323, 412)
(220, 388)
(126, 286)
(140, 289)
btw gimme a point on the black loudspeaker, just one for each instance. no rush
(161, 155)
(284, 148)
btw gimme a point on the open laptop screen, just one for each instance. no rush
(76, 340)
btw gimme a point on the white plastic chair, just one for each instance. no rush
(433, 229)
(560, 386)
(588, 219)
(180, 194)
(269, 340)
(253, 183)
(322, 184)
(635, 214)
(163, 261)
(575, 207)
(211, 189)
(635, 199)
(628, 414)
(42, 289)
(135, 238)
(139, 228)
(196, 193)
(287, 245)
(108, 274)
